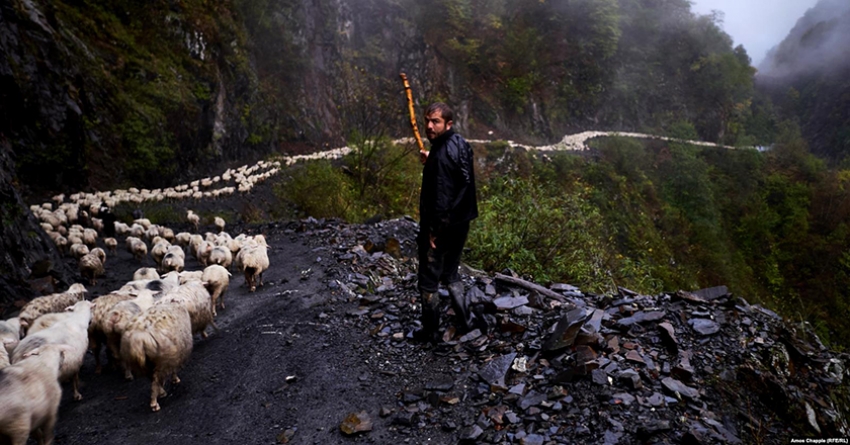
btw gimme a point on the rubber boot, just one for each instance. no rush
(430, 318)
(461, 307)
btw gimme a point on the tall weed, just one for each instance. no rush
(318, 189)
(552, 235)
(377, 178)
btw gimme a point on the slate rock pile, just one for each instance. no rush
(559, 365)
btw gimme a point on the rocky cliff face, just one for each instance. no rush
(117, 94)
(29, 263)
(95, 96)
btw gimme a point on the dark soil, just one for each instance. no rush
(286, 357)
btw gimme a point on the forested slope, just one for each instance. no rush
(97, 94)
(807, 76)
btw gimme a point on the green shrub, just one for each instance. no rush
(552, 235)
(385, 179)
(318, 189)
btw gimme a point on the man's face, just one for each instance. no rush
(436, 125)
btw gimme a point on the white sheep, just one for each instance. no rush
(111, 244)
(73, 212)
(187, 276)
(121, 228)
(159, 250)
(195, 242)
(145, 273)
(97, 224)
(71, 331)
(176, 250)
(253, 260)
(137, 230)
(78, 250)
(152, 232)
(90, 238)
(221, 255)
(172, 262)
(219, 223)
(234, 245)
(31, 395)
(166, 233)
(203, 251)
(10, 334)
(60, 241)
(4, 358)
(101, 307)
(52, 220)
(144, 222)
(216, 279)
(158, 343)
(193, 219)
(46, 321)
(137, 247)
(182, 239)
(197, 300)
(171, 277)
(116, 321)
(92, 265)
(74, 238)
(49, 304)
(158, 287)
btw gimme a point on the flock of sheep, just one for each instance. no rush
(147, 325)
(242, 179)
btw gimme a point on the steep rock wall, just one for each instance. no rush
(26, 253)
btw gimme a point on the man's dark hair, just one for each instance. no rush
(445, 111)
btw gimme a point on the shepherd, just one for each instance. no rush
(447, 204)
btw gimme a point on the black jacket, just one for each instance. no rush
(448, 184)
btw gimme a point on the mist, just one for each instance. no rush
(753, 25)
(818, 43)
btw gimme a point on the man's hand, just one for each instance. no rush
(432, 239)
(423, 156)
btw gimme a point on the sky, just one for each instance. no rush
(759, 25)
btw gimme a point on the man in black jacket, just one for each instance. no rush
(447, 204)
(108, 219)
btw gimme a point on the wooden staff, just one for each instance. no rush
(415, 127)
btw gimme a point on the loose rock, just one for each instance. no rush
(356, 423)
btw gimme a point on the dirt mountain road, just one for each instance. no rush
(285, 358)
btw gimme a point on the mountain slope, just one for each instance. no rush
(98, 95)
(808, 78)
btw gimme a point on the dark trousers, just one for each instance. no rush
(440, 265)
